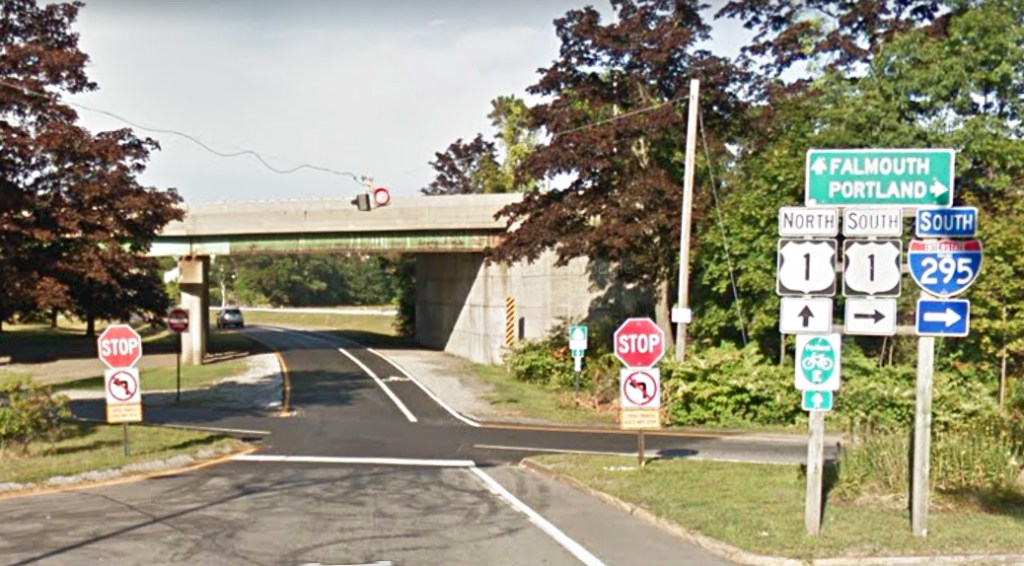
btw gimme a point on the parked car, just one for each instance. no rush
(232, 317)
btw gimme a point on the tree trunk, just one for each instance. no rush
(90, 325)
(53, 317)
(662, 313)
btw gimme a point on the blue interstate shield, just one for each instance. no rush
(944, 267)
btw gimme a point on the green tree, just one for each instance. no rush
(616, 135)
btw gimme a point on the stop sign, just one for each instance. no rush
(639, 343)
(119, 346)
(177, 320)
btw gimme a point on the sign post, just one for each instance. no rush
(578, 347)
(177, 321)
(120, 348)
(639, 344)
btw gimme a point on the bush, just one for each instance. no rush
(728, 386)
(29, 412)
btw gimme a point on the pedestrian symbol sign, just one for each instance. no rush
(818, 362)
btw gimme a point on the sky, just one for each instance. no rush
(368, 88)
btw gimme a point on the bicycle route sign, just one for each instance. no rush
(818, 362)
(879, 177)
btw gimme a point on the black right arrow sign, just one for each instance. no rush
(876, 316)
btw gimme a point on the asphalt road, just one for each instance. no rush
(371, 469)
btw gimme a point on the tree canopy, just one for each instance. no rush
(74, 219)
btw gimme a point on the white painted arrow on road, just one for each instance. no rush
(949, 318)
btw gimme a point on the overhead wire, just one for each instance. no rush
(362, 180)
(721, 228)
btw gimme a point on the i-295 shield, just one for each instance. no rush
(944, 268)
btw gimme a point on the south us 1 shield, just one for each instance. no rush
(944, 268)
(818, 362)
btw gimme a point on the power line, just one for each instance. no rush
(725, 237)
(362, 180)
(618, 117)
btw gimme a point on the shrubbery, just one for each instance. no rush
(29, 412)
(976, 444)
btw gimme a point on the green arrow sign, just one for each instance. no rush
(879, 177)
(817, 400)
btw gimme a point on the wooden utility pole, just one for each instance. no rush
(687, 217)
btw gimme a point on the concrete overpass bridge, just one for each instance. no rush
(463, 306)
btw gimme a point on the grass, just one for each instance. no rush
(760, 508)
(162, 379)
(373, 324)
(535, 402)
(100, 447)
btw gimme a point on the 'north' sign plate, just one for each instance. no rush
(879, 177)
(803, 221)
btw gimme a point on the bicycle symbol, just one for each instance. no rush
(817, 361)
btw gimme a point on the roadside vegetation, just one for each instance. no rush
(759, 508)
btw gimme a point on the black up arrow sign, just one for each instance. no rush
(806, 315)
(876, 316)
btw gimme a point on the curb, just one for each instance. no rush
(740, 556)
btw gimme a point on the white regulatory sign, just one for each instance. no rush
(806, 267)
(803, 221)
(872, 317)
(803, 315)
(873, 222)
(871, 268)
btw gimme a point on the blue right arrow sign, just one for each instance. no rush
(943, 317)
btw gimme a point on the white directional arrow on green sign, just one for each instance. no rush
(879, 177)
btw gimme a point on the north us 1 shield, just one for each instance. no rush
(944, 268)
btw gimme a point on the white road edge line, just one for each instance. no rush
(215, 429)
(273, 458)
(575, 548)
(647, 453)
(429, 393)
(384, 386)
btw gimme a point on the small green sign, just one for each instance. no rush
(879, 177)
(578, 338)
(818, 362)
(578, 353)
(815, 400)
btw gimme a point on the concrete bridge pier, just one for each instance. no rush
(195, 298)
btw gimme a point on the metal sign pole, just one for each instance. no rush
(640, 447)
(177, 398)
(922, 436)
(127, 446)
(815, 471)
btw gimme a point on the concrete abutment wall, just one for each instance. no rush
(461, 301)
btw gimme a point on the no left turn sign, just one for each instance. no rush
(640, 388)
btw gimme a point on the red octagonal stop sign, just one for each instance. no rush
(119, 346)
(639, 343)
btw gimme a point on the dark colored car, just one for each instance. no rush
(230, 317)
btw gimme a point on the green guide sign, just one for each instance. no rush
(879, 177)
